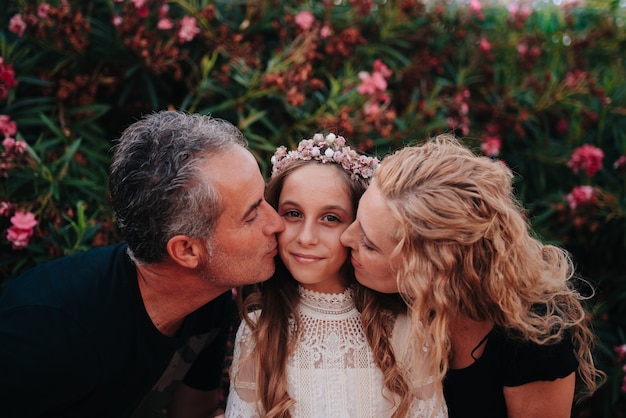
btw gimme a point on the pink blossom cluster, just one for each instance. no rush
(587, 158)
(187, 26)
(492, 143)
(476, 8)
(581, 195)
(528, 53)
(22, 227)
(485, 47)
(13, 149)
(304, 19)
(7, 79)
(375, 86)
(519, 14)
(18, 25)
(621, 358)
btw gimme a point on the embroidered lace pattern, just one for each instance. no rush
(331, 374)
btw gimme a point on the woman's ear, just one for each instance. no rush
(185, 251)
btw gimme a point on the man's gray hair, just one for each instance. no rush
(157, 186)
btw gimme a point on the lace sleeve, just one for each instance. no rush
(242, 397)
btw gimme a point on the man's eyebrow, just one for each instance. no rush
(252, 208)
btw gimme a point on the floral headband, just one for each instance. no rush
(328, 149)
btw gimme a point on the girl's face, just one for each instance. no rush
(371, 242)
(316, 207)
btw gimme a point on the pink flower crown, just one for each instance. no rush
(328, 149)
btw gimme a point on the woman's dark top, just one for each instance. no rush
(477, 390)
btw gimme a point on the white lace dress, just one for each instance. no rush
(332, 371)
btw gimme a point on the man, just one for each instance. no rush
(100, 333)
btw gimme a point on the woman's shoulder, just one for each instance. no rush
(525, 361)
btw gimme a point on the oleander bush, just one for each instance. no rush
(539, 86)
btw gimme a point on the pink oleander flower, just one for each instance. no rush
(42, 10)
(19, 238)
(17, 25)
(165, 24)
(380, 67)
(19, 234)
(7, 126)
(621, 353)
(371, 83)
(519, 11)
(491, 146)
(325, 32)
(522, 49)
(139, 4)
(580, 195)
(7, 79)
(477, 8)
(8, 144)
(586, 158)
(484, 45)
(11, 146)
(188, 29)
(116, 20)
(305, 20)
(24, 220)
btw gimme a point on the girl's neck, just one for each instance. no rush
(329, 288)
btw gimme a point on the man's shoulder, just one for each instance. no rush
(83, 273)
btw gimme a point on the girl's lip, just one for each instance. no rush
(306, 258)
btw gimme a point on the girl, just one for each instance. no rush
(303, 349)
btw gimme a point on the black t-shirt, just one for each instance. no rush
(477, 390)
(76, 341)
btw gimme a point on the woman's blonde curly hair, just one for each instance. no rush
(467, 248)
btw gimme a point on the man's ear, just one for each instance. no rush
(185, 251)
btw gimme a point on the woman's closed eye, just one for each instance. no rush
(365, 245)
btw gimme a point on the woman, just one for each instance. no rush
(503, 323)
(304, 349)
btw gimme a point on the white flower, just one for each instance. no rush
(315, 152)
(318, 138)
(330, 138)
(329, 153)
